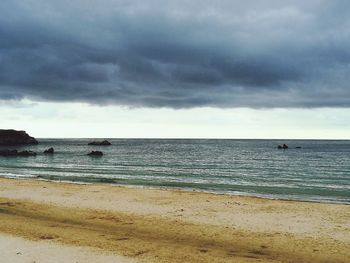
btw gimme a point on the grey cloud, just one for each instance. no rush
(176, 54)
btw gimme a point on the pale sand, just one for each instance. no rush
(19, 250)
(175, 226)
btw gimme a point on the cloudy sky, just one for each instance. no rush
(152, 68)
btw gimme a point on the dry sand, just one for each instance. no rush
(147, 225)
(19, 250)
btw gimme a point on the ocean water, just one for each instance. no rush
(319, 171)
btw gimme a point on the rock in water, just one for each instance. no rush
(9, 153)
(26, 153)
(284, 146)
(104, 143)
(13, 137)
(95, 153)
(49, 151)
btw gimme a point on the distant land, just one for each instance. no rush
(14, 137)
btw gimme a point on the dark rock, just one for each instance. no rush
(103, 143)
(49, 151)
(10, 153)
(26, 153)
(13, 137)
(284, 146)
(298, 147)
(95, 153)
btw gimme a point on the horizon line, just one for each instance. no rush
(197, 138)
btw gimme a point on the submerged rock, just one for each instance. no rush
(13, 137)
(9, 153)
(104, 143)
(49, 151)
(95, 153)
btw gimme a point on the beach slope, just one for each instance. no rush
(147, 225)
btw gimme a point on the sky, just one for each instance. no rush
(175, 69)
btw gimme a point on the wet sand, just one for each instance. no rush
(147, 225)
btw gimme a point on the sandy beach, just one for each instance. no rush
(19, 250)
(104, 223)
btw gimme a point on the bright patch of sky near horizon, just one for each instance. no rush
(81, 120)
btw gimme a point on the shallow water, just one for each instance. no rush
(319, 171)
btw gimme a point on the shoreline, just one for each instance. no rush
(184, 189)
(158, 225)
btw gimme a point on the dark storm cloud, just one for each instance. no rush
(176, 53)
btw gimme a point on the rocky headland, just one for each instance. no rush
(13, 138)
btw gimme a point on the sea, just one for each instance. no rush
(310, 170)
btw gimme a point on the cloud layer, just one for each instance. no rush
(177, 54)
